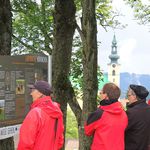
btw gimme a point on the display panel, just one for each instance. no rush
(16, 72)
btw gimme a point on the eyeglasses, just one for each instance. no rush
(129, 95)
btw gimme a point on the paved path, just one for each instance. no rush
(16, 138)
(71, 144)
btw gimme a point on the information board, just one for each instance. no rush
(16, 72)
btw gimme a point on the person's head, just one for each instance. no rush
(40, 89)
(136, 92)
(110, 91)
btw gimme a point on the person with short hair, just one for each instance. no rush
(108, 123)
(42, 129)
(138, 111)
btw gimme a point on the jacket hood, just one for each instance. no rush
(48, 106)
(114, 108)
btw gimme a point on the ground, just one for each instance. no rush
(71, 144)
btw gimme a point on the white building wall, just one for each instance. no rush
(114, 78)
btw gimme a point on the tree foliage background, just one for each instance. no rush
(141, 10)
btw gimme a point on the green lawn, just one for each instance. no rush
(71, 129)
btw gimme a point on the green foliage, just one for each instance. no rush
(100, 76)
(76, 68)
(32, 26)
(141, 11)
(78, 4)
(71, 127)
(106, 16)
(103, 11)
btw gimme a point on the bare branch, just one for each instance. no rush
(80, 32)
(24, 44)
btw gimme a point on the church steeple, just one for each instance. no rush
(114, 66)
(114, 56)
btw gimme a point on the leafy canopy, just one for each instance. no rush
(32, 26)
(141, 10)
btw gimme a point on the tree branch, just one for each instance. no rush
(73, 103)
(80, 32)
(24, 44)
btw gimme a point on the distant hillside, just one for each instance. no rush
(126, 79)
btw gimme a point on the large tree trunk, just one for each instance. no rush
(89, 39)
(5, 27)
(64, 27)
(5, 49)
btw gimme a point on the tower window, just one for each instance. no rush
(113, 65)
(114, 80)
(113, 73)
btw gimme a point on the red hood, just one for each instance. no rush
(115, 108)
(48, 106)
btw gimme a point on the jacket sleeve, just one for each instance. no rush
(131, 120)
(61, 141)
(89, 129)
(28, 131)
(61, 137)
(92, 122)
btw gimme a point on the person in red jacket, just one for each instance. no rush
(108, 123)
(42, 129)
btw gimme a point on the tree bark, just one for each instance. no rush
(5, 49)
(89, 31)
(7, 144)
(64, 27)
(5, 27)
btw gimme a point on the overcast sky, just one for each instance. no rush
(133, 43)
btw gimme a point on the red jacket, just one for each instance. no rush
(42, 128)
(108, 128)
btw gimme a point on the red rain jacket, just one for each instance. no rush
(43, 127)
(109, 129)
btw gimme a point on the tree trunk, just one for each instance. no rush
(5, 27)
(64, 27)
(5, 49)
(89, 39)
(7, 144)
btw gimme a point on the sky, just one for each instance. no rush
(133, 43)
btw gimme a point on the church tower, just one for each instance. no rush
(113, 66)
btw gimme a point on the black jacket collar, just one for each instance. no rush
(105, 102)
(136, 103)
